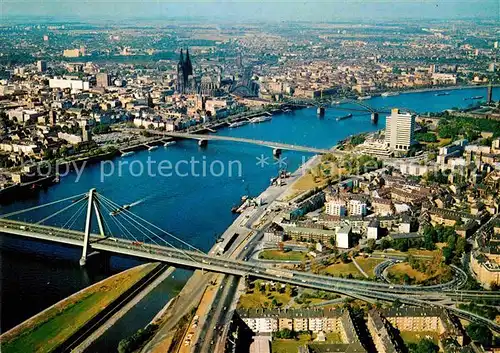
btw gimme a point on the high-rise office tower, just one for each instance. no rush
(399, 130)
(86, 133)
(41, 65)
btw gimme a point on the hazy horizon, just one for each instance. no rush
(253, 11)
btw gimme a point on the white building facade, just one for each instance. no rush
(400, 130)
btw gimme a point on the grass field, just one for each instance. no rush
(333, 337)
(415, 337)
(368, 265)
(256, 299)
(427, 272)
(283, 255)
(287, 346)
(400, 269)
(341, 269)
(415, 252)
(47, 331)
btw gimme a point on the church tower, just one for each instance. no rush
(180, 74)
(189, 66)
(185, 81)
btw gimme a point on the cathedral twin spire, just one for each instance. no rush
(185, 64)
(184, 70)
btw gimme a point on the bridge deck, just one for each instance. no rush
(197, 260)
(272, 144)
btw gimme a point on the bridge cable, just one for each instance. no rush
(158, 228)
(40, 206)
(135, 227)
(125, 214)
(106, 225)
(121, 228)
(61, 211)
(145, 228)
(75, 217)
(129, 219)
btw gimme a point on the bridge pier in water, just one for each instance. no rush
(375, 117)
(277, 152)
(321, 111)
(202, 143)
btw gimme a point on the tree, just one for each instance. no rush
(448, 254)
(260, 287)
(479, 333)
(63, 151)
(385, 243)
(344, 257)
(48, 154)
(332, 241)
(406, 279)
(396, 303)
(371, 244)
(452, 241)
(424, 346)
(460, 246)
(101, 129)
(285, 334)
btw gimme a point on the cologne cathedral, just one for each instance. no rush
(186, 82)
(207, 83)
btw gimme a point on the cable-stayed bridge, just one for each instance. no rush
(122, 232)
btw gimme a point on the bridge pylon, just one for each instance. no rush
(93, 203)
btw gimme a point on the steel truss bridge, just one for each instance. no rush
(122, 232)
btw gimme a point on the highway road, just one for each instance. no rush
(199, 260)
(190, 259)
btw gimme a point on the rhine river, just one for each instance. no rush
(193, 207)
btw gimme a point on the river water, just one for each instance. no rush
(193, 205)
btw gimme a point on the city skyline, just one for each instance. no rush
(254, 11)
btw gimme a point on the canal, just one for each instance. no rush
(194, 205)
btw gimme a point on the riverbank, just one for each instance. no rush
(50, 328)
(196, 294)
(138, 295)
(444, 88)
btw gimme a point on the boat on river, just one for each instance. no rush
(474, 98)
(260, 119)
(389, 94)
(344, 117)
(238, 124)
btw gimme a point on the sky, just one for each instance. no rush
(252, 10)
